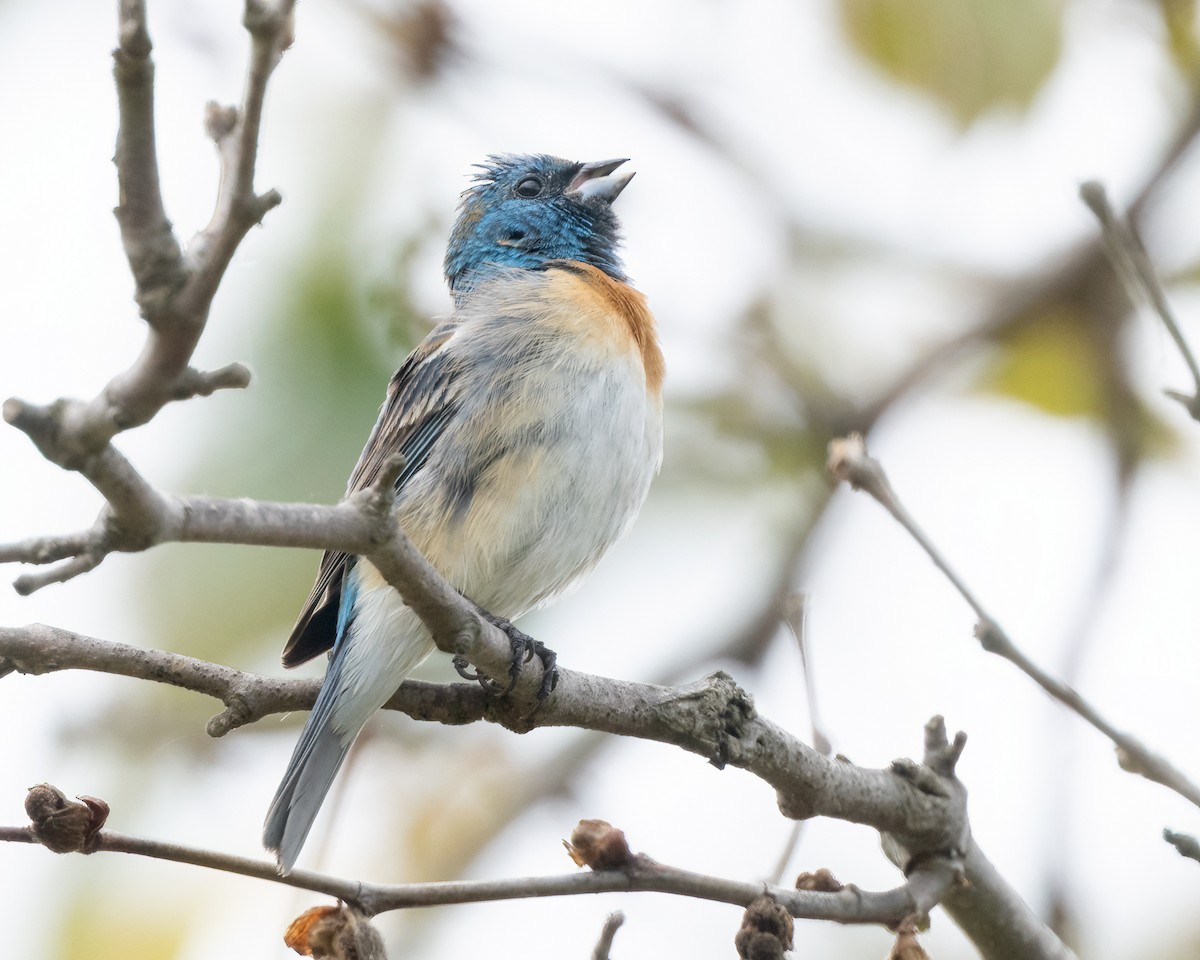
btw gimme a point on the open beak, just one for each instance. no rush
(597, 181)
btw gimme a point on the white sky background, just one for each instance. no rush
(892, 643)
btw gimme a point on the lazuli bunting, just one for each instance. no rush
(531, 426)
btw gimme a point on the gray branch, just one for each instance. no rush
(849, 461)
(173, 290)
(915, 897)
(1185, 844)
(713, 718)
(1133, 266)
(605, 941)
(920, 806)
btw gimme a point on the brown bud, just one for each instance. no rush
(906, 946)
(63, 825)
(820, 880)
(846, 456)
(766, 931)
(599, 845)
(335, 933)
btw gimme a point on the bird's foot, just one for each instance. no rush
(524, 649)
(467, 672)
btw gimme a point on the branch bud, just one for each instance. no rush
(599, 845)
(62, 825)
(334, 933)
(766, 931)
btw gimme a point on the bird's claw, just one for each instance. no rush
(524, 649)
(467, 672)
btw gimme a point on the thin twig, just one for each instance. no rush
(1132, 264)
(235, 132)
(1026, 301)
(921, 891)
(789, 850)
(849, 461)
(604, 943)
(1186, 845)
(795, 616)
(153, 252)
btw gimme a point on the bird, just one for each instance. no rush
(530, 423)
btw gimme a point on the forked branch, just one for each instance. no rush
(849, 461)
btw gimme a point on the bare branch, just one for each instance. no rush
(849, 461)
(173, 292)
(995, 918)
(1026, 301)
(235, 133)
(712, 718)
(247, 697)
(150, 245)
(1132, 264)
(76, 566)
(1186, 845)
(45, 549)
(362, 525)
(795, 611)
(201, 383)
(609, 931)
(917, 895)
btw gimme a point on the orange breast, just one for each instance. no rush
(609, 309)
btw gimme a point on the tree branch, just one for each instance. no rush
(921, 806)
(916, 896)
(849, 461)
(150, 245)
(363, 525)
(235, 133)
(1132, 264)
(39, 649)
(174, 292)
(995, 918)
(713, 718)
(1185, 844)
(605, 941)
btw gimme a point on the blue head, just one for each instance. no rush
(525, 211)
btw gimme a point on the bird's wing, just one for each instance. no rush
(422, 398)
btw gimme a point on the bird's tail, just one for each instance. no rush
(314, 764)
(369, 661)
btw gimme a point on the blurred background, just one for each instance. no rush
(848, 214)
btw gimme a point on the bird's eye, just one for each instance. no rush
(529, 188)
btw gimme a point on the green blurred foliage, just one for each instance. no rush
(969, 55)
(100, 927)
(1050, 365)
(1063, 366)
(1179, 18)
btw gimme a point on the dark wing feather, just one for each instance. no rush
(421, 400)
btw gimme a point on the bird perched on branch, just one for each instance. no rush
(531, 425)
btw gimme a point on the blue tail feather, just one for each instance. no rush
(315, 761)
